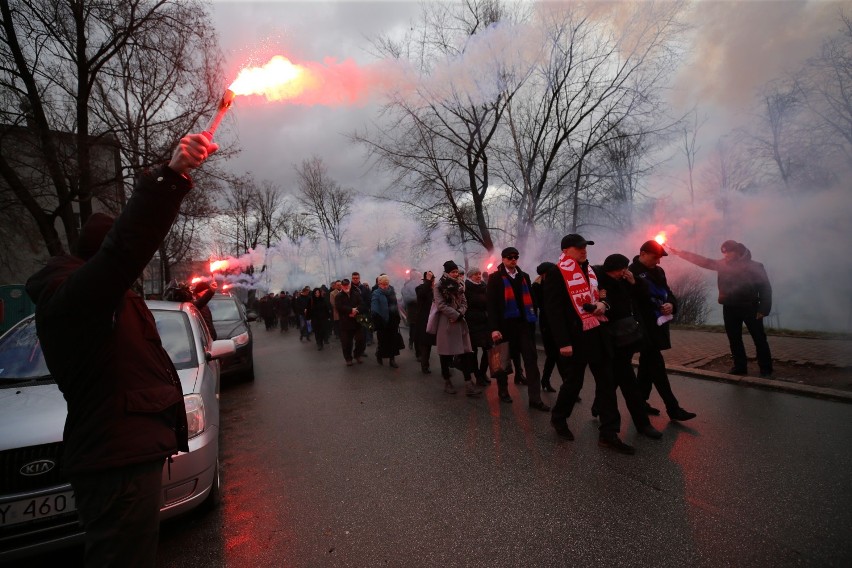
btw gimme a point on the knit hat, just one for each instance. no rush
(615, 262)
(449, 266)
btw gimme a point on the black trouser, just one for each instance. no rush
(348, 335)
(734, 319)
(573, 369)
(622, 370)
(284, 322)
(521, 337)
(652, 372)
(120, 510)
(551, 355)
(424, 351)
(320, 331)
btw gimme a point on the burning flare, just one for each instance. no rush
(218, 265)
(661, 238)
(279, 79)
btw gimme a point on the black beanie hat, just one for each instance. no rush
(615, 262)
(450, 266)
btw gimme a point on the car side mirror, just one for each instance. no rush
(221, 348)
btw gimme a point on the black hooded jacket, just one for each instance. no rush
(647, 305)
(100, 341)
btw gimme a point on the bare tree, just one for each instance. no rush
(437, 139)
(594, 76)
(326, 204)
(60, 58)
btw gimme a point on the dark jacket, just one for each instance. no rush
(477, 314)
(497, 302)
(201, 302)
(566, 327)
(653, 283)
(743, 283)
(344, 303)
(425, 297)
(100, 341)
(319, 310)
(622, 298)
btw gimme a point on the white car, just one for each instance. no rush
(37, 510)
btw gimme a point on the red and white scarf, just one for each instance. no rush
(580, 291)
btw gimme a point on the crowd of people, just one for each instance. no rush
(484, 326)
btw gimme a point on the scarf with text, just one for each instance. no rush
(580, 291)
(511, 309)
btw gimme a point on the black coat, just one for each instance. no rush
(345, 303)
(497, 299)
(566, 327)
(477, 315)
(647, 305)
(201, 302)
(425, 297)
(100, 341)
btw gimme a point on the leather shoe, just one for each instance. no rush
(505, 397)
(539, 405)
(615, 443)
(562, 429)
(736, 371)
(393, 364)
(651, 410)
(520, 379)
(679, 414)
(546, 387)
(426, 370)
(651, 432)
(379, 360)
(594, 411)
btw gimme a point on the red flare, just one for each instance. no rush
(218, 265)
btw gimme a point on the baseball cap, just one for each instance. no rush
(653, 247)
(574, 240)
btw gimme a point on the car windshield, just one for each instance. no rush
(176, 337)
(224, 310)
(20, 354)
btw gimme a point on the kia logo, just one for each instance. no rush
(37, 467)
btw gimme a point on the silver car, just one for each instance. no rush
(37, 510)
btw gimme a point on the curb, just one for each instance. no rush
(768, 384)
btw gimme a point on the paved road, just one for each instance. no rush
(367, 466)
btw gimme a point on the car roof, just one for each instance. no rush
(167, 306)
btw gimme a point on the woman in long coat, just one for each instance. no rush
(319, 312)
(424, 341)
(477, 322)
(447, 322)
(385, 312)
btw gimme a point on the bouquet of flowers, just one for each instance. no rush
(364, 320)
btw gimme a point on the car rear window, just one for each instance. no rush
(224, 310)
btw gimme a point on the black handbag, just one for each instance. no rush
(626, 332)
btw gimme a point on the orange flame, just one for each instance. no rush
(490, 264)
(661, 238)
(195, 280)
(225, 287)
(279, 79)
(217, 265)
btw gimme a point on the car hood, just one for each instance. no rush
(35, 415)
(30, 416)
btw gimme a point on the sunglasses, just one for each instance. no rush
(513, 257)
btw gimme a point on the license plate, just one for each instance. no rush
(41, 507)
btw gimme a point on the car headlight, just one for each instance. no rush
(195, 420)
(241, 339)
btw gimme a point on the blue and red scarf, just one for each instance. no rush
(511, 309)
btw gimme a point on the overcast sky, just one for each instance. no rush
(734, 48)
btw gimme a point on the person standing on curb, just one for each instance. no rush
(746, 297)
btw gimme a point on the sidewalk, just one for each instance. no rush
(812, 367)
